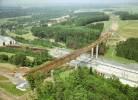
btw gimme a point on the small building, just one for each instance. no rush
(5, 41)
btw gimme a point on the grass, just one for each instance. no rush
(2, 78)
(111, 54)
(28, 36)
(7, 66)
(9, 87)
(128, 29)
(4, 20)
(65, 74)
(6, 53)
(106, 25)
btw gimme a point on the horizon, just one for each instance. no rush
(36, 3)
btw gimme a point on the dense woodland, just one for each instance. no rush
(128, 49)
(20, 57)
(37, 13)
(12, 12)
(73, 37)
(127, 16)
(83, 19)
(81, 84)
(77, 32)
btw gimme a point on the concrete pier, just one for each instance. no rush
(97, 51)
(92, 53)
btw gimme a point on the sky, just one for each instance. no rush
(47, 2)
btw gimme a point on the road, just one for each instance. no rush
(126, 76)
(108, 68)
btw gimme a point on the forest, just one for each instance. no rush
(77, 32)
(73, 37)
(85, 18)
(20, 57)
(127, 16)
(80, 84)
(82, 19)
(128, 49)
(11, 12)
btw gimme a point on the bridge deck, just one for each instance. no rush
(58, 62)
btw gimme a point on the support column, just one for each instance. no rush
(97, 51)
(76, 66)
(52, 75)
(92, 52)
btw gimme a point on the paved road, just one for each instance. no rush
(132, 66)
(109, 68)
(127, 76)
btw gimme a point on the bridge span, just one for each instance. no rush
(65, 59)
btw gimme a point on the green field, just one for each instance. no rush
(9, 87)
(2, 78)
(128, 29)
(27, 36)
(6, 53)
(7, 67)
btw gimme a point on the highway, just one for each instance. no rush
(126, 76)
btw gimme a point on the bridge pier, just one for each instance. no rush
(92, 53)
(76, 66)
(97, 51)
(52, 75)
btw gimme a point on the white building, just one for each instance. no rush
(5, 41)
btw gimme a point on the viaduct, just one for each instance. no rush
(65, 59)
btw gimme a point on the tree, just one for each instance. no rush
(81, 85)
(19, 59)
(4, 57)
(127, 50)
(3, 32)
(35, 79)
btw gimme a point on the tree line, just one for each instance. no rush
(73, 37)
(20, 57)
(81, 84)
(128, 49)
(86, 18)
(127, 16)
(80, 30)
